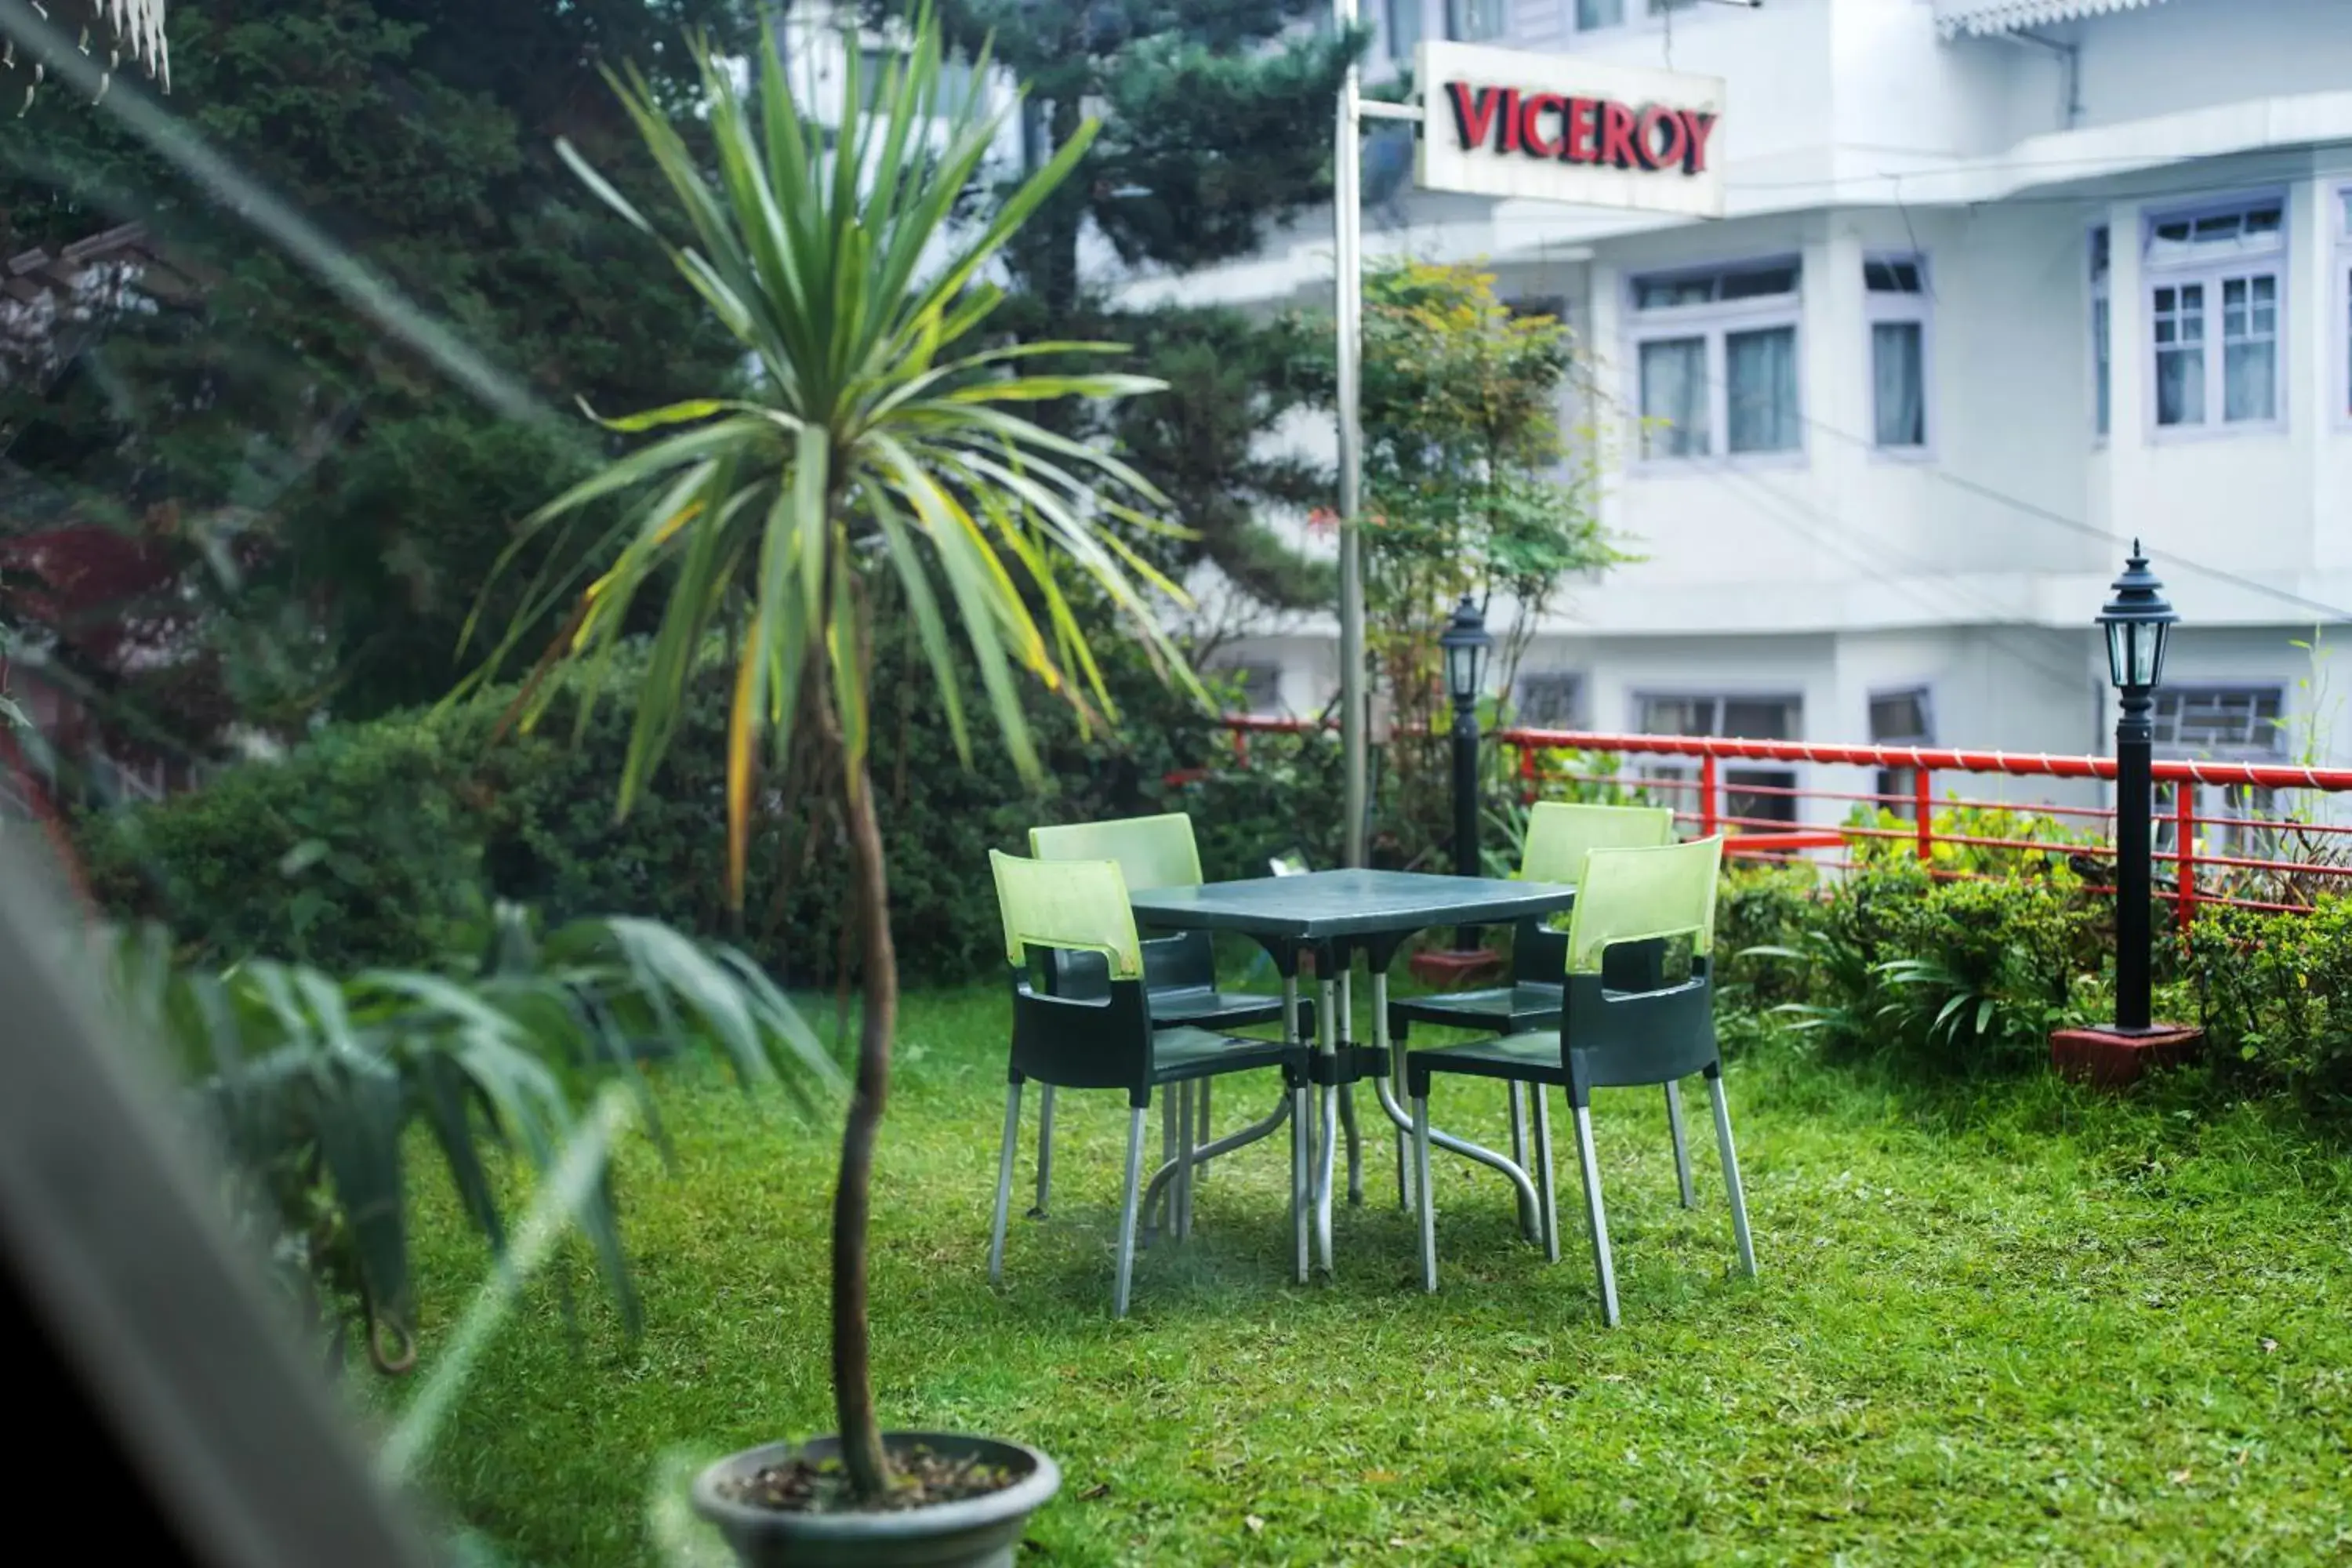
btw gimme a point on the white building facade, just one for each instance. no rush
(2000, 287)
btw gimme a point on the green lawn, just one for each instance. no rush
(2025, 1326)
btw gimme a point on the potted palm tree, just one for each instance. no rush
(879, 457)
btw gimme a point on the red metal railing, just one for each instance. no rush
(1772, 817)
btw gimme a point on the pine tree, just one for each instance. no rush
(1216, 129)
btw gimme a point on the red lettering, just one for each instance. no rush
(1531, 112)
(1510, 142)
(1697, 128)
(1616, 136)
(1655, 153)
(1576, 145)
(1473, 111)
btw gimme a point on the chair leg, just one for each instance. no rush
(1004, 1180)
(1135, 1130)
(1428, 1198)
(1595, 1215)
(1355, 1146)
(1044, 1149)
(1301, 1197)
(1548, 1210)
(1682, 1142)
(1530, 1222)
(1180, 1195)
(1732, 1170)
(1202, 1130)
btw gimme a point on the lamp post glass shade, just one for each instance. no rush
(2137, 623)
(1465, 643)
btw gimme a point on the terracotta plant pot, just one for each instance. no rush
(973, 1533)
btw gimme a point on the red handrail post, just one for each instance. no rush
(1710, 820)
(2184, 834)
(1923, 807)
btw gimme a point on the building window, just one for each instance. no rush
(1895, 292)
(2214, 293)
(2233, 721)
(950, 93)
(1403, 26)
(1259, 683)
(1900, 718)
(1474, 21)
(2100, 376)
(1592, 14)
(1716, 354)
(1753, 796)
(1551, 701)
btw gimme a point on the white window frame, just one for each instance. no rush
(1579, 691)
(1687, 799)
(2102, 334)
(1885, 781)
(1632, 14)
(2210, 275)
(1890, 307)
(2340, 211)
(1714, 321)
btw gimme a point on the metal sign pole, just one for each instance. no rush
(1348, 227)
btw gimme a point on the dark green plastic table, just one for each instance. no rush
(1335, 915)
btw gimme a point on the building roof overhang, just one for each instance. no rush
(1982, 18)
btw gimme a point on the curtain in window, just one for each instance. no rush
(1599, 13)
(1403, 18)
(1673, 398)
(1899, 373)
(2180, 354)
(2250, 348)
(2099, 361)
(1761, 373)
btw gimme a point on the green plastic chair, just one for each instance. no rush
(1560, 834)
(1622, 1024)
(1107, 1040)
(1179, 970)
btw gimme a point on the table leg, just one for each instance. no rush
(1520, 1179)
(1348, 1090)
(1327, 1128)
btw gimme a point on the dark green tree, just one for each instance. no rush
(1216, 120)
(336, 496)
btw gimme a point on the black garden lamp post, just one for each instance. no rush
(2137, 624)
(1466, 644)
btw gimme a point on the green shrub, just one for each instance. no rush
(374, 843)
(2275, 995)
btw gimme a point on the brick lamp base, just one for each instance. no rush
(2106, 1059)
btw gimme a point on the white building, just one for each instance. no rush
(2003, 283)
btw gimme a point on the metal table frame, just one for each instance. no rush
(1335, 915)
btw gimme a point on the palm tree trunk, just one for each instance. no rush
(853, 1377)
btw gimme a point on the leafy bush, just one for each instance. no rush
(379, 844)
(1998, 831)
(2275, 995)
(1953, 976)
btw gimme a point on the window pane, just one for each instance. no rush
(1891, 276)
(1403, 28)
(2179, 320)
(2099, 362)
(1678, 715)
(1761, 377)
(1664, 293)
(1899, 718)
(1758, 282)
(1673, 398)
(1759, 719)
(1899, 384)
(1474, 21)
(2098, 253)
(1760, 797)
(1599, 13)
(2250, 348)
(1549, 701)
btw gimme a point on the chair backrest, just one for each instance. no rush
(1151, 851)
(1634, 894)
(1070, 905)
(1560, 834)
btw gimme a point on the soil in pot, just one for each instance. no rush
(920, 1477)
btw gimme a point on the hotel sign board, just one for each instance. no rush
(1561, 128)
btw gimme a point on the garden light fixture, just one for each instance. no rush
(2137, 623)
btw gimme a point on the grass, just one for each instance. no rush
(2020, 1325)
